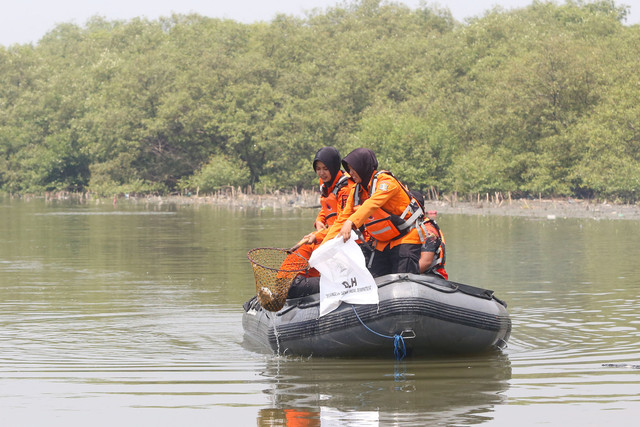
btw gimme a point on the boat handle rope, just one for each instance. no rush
(435, 287)
(399, 349)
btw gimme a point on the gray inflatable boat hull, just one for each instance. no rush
(432, 315)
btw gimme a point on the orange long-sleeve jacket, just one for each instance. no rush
(390, 196)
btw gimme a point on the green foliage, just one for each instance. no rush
(219, 172)
(538, 100)
(415, 149)
(482, 170)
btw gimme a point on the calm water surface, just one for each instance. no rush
(131, 315)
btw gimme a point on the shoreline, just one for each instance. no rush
(545, 208)
(539, 208)
(555, 208)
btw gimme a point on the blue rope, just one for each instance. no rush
(399, 349)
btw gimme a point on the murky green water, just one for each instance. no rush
(131, 314)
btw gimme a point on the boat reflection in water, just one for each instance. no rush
(321, 392)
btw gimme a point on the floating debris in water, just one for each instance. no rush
(621, 365)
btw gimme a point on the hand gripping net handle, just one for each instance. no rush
(274, 269)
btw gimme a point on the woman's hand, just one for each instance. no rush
(345, 231)
(311, 238)
(320, 225)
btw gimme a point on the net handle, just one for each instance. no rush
(302, 241)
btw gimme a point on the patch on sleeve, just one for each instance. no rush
(384, 186)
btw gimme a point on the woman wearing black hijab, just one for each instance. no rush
(326, 165)
(335, 187)
(376, 197)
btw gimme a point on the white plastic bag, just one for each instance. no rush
(343, 274)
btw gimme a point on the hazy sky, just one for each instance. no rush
(26, 21)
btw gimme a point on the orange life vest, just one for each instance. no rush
(384, 226)
(330, 201)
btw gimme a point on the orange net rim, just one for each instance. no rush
(295, 270)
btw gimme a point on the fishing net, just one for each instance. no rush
(274, 270)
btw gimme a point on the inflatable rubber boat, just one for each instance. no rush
(417, 315)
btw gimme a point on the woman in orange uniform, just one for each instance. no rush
(383, 205)
(335, 186)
